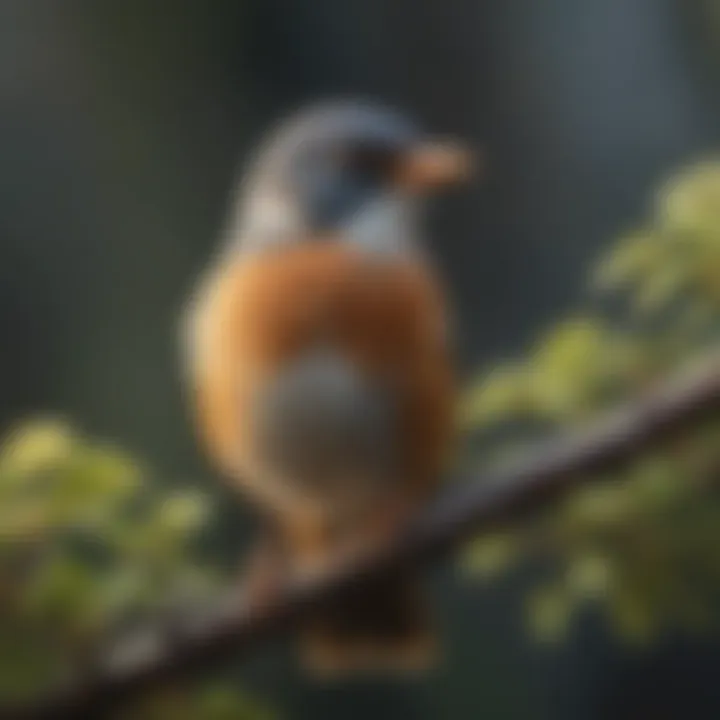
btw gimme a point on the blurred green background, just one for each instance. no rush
(121, 128)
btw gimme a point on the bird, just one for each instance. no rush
(319, 364)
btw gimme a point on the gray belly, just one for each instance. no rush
(322, 426)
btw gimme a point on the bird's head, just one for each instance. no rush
(337, 169)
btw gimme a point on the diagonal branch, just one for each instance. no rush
(237, 629)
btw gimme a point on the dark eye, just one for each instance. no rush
(372, 161)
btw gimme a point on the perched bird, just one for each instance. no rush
(319, 364)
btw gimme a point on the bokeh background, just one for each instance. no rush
(122, 129)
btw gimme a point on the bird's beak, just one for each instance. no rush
(434, 164)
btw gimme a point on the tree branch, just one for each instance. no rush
(236, 628)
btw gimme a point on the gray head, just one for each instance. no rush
(338, 166)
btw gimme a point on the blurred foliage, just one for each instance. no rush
(642, 544)
(90, 546)
(211, 702)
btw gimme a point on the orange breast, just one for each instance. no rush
(261, 312)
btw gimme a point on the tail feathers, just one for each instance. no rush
(384, 628)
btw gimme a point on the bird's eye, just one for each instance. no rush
(371, 161)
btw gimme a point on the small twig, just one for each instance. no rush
(495, 498)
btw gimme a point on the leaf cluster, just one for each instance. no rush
(91, 545)
(641, 544)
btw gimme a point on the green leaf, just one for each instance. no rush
(656, 291)
(184, 512)
(489, 555)
(690, 203)
(550, 609)
(503, 394)
(589, 576)
(632, 259)
(35, 446)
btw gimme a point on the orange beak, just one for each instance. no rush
(435, 164)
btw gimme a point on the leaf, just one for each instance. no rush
(567, 366)
(64, 590)
(656, 482)
(632, 259)
(503, 394)
(589, 576)
(93, 483)
(550, 610)
(35, 446)
(658, 290)
(600, 505)
(690, 203)
(572, 347)
(489, 555)
(183, 512)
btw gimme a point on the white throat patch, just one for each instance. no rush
(271, 217)
(384, 227)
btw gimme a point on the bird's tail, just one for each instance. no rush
(384, 627)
